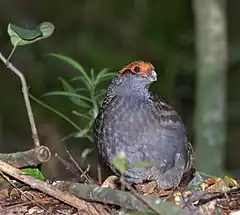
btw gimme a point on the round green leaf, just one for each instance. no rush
(20, 36)
(47, 29)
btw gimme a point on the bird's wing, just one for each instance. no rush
(166, 112)
(171, 120)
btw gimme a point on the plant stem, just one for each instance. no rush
(11, 54)
(151, 205)
(59, 114)
(25, 96)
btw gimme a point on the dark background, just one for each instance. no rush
(110, 34)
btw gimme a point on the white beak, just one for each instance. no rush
(154, 75)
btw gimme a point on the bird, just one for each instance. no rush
(142, 126)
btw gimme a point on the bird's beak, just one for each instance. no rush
(152, 76)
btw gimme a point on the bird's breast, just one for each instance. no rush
(129, 122)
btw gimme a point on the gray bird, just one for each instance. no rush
(143, 127)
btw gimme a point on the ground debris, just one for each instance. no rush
(30, 202)
(216, 196)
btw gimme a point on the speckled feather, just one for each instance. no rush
(142, 126)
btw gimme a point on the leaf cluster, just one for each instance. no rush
(88, 97)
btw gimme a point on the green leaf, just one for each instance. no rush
(104, 75)
(20, 36)
(34, 172)
(81, 90)
(25, 34)
(77, 78)
(102, 72)
(73, 97)
(85, 153)
(47, 29)
(82, 133)
(56, 112)
(109, 75)
(86, 79)
(120, 162)
(83, 115)
(141, 164)
(100, 94)
(67, 87)
(63, 139)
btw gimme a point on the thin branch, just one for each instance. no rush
(86, 177)
(148, 203)
(19, 190)
(28, 158)
(26, 99)
(47, 188)
(123, 199)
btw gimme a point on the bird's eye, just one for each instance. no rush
(136, 69)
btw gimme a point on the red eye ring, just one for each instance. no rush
(137, 67)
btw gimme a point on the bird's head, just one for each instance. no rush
(134, 79)
(140, 70)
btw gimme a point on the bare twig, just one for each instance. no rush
(47, 188)
(213, 196)
(89, 192)
(10, 182)
(151, 205)
(26, 99)
(86, 177)
(123, 199)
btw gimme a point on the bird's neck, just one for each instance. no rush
(129, 86)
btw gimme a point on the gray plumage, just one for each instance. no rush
(144, 127)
